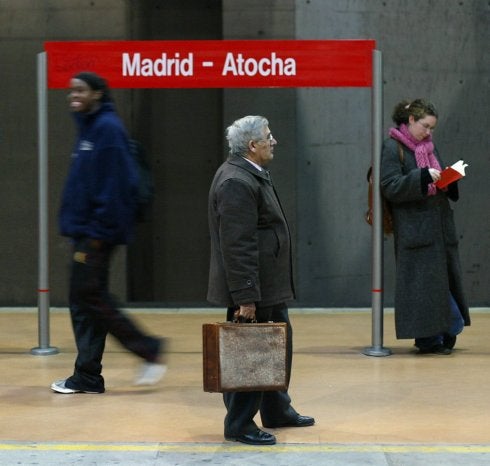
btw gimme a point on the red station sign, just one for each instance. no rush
(214, 63)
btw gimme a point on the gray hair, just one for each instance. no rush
(244, 130)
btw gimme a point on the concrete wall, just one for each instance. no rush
(182, 131)
(431, 48)
(436, 49)
(24, 26)
(272, 20)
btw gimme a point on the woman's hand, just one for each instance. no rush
(435, 174)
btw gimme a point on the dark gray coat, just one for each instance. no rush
(426, 248)
(250, 239)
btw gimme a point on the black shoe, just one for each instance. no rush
(449, 340)
(300, 421)
(257, 437)
(436, 349)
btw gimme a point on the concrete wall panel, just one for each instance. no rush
(435, 49)
(24, 26)
(182, 132)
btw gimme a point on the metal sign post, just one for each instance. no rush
(213, 64)
(377, 231)
(43, 286)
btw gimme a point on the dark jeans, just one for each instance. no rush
(275, 406)
(94, 314)
(457, 325)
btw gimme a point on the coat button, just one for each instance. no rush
(249, 282)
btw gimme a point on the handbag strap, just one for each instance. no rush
(401, 152)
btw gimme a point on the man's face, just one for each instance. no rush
(81, 97)
(262, 151)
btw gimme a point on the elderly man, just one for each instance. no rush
(250, 267)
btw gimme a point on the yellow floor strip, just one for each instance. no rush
(230, 448)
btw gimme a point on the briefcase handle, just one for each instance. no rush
(242, 320)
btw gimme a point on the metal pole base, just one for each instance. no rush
(377, 351)
(44, 351)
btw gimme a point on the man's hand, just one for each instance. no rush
(246, 311)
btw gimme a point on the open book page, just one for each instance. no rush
(453, 173)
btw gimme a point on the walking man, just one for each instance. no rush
(97, 213)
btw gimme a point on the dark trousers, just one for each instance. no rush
(457, 326)
(275, 406)
(94, 314)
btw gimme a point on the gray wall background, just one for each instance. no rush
(437, 49)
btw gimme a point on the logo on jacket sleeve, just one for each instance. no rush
(86, 145)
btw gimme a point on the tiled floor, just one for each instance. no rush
(414, 404)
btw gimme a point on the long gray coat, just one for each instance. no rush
(250, 239)
(426, 248)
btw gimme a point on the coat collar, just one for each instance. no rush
(242, 163)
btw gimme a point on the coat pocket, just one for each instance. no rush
(269, 242)
(450, 235)
(418, 229)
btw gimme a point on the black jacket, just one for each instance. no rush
(99, 197)
(250, 239)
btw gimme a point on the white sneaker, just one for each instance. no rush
(60, 387)
(150, 373)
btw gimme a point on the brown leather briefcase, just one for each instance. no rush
(240, 357)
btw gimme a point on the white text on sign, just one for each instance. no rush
(234, 65)
(273, 66)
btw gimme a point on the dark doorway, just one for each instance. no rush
(182, 131)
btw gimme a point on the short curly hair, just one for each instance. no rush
(418, 108)
(244, 130)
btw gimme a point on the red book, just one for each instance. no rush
(450, 174)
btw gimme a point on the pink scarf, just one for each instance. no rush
(423, 150)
